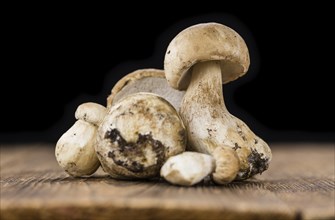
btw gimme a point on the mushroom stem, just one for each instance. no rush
(205, 95)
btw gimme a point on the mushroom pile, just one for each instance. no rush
(171, 123)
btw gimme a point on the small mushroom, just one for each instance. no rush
(145, 80)
(187, 168)
(227, 164)
(139, 133)
(200, 59)
(75, 151)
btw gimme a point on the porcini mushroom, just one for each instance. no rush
(227, 164)
(200, 59)
(75, 151)
(145, 80)
(139, 133)
(188, 168)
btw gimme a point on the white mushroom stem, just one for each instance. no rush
(203, 107)
(207, 118)
(209, 124)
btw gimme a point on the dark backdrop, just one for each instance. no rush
(57, 58)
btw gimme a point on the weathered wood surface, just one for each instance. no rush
(298, 185)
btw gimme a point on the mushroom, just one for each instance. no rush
(187, 168)
(139, 133)
(200, 59)
(145, 80)
(227, 165)
(75, 151)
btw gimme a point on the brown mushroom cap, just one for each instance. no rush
(145, 80)
(205, 42)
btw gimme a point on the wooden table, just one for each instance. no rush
(298, 185)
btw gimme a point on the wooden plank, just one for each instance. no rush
(299, 185)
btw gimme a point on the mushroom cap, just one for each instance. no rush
(91, 112)
(145, 80)
(139, 133)
(205, 42)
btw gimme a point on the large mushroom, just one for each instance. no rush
(149, 131)
(200, 59)
(139, 133)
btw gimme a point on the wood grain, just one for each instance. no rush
(299, 185)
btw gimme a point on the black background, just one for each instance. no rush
(59, 57)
